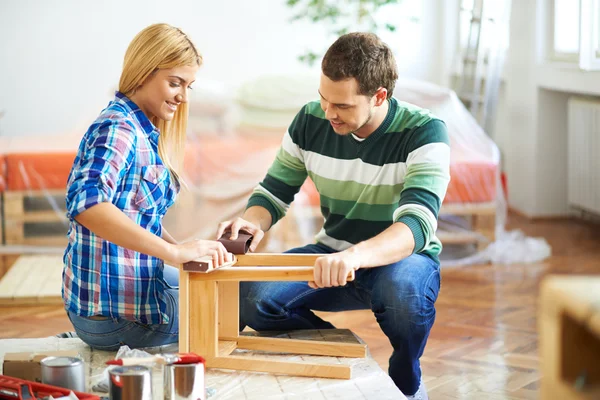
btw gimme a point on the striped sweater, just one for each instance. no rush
(397, 174)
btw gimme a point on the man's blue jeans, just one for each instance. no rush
(401, 295)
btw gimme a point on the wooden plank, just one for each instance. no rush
(16, 215)
(468, 209)
(41, 216)
(32, 279)
(276, 260)
(13, 204)
(19, 301)
(229, 309)
(15, 236)
(1, 218)
(257, 274)
(281, 367)
(26, 249)
(37, 193)
(295, 346)
(184, 311)
(56, 240)
(14, 230)
(226, 347)
(447, 237)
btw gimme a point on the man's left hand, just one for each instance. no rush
(333, 269)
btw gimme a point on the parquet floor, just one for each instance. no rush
(484, 342)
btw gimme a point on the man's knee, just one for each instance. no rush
(408, 297)
(257, 304)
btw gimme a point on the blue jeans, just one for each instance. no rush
(401, 295)
(110, 334)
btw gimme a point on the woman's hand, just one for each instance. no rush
(194, 249)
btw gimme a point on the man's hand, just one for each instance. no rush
(241, 224)
(333, 269)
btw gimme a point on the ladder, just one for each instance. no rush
(483, 57)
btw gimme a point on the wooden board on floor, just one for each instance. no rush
(33, 279)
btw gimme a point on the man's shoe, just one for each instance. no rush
(421, 393)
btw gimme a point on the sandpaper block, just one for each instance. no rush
(241, 245)
(204, 264)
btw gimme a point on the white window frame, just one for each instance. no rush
(551, 51)
(589, 46)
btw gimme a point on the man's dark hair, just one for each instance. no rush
(366, 58)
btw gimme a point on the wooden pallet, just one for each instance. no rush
(482, 218)
(26, 211)
(2, 218)
(483, 223)
(33, 279)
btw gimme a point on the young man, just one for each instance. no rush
(381, 168)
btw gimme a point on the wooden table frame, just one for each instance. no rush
(210, 301)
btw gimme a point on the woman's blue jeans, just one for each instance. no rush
(110, 334)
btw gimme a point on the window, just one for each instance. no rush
(575, 36)
(565, 38)
(589, 53)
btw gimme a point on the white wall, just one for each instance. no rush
(61, 59)
(532, 129)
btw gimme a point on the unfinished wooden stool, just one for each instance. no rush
(209, 314)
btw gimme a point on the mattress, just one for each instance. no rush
(470, 182)
(38, 171)
(229, 160)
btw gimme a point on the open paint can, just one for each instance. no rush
(184, 382)
(130, 383)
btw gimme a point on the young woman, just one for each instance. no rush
(116, 288)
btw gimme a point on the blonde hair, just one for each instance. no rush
(161, 46)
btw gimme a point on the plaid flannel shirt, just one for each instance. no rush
(117, 162)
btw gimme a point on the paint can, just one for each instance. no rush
(184, 382)
(130, 383)
(65, 372)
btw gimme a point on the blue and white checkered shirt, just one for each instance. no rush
(117, 162)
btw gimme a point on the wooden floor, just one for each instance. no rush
(484, 342)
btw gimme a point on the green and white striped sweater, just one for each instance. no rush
(399, 173)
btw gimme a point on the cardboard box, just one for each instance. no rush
(27, 365)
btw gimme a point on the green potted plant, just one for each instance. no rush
(341, 17)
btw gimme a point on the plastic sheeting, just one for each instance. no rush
(233, 136)
(368, 381)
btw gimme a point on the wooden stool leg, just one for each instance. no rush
(184, 310)
(229, 310)
(203, 311)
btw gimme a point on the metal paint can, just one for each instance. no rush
(130, 383)
(65, 372)
(184, 382)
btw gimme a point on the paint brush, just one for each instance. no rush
(163, 359)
